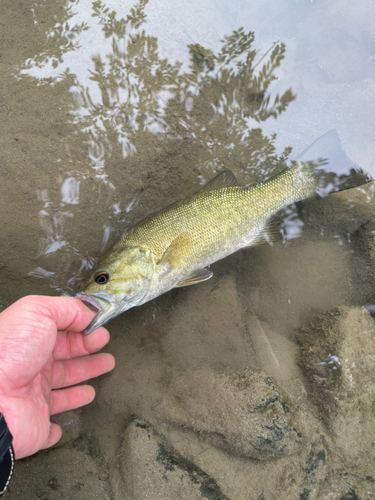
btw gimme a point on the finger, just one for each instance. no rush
(71, 398)
(70, 345)
(67, 313)
(54, 436)
(75, 371)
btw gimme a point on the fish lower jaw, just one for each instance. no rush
(89, 299)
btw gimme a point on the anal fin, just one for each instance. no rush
(270, 234)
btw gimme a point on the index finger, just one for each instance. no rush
(67, 313)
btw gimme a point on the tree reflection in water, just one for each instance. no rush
(173, 125)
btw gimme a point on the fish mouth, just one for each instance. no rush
(104, 304)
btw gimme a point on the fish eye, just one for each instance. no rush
(101, 278)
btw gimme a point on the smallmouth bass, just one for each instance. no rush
(173, 247)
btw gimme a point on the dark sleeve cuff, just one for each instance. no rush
(6, 469)
(6, 455)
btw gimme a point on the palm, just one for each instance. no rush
(36, 360)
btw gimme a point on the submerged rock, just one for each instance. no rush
(298, 476)
(338, 354)
(313, 470)
(243, 413)
(363, 263)
(343, 485)
(152, 470)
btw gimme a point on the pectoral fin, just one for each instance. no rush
(195, 277)
(178, 249)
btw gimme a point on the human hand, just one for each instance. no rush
(37, 361)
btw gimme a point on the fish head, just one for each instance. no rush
(120, 281)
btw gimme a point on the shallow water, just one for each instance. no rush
(110, 111)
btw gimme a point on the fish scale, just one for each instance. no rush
(173, 247)
(216, 222)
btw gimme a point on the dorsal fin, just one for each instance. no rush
(224, 179)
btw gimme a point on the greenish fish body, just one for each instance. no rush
(189, 235)
(173, 247)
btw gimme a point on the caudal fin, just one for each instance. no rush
(332, 169)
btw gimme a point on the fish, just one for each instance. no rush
(173, 247)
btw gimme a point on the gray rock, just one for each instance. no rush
(243, 413)
(313, 471)
(362, 263)
(343, 485)
(338, 354)
(298, 476)
(152, 470)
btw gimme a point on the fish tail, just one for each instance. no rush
(324, 168)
